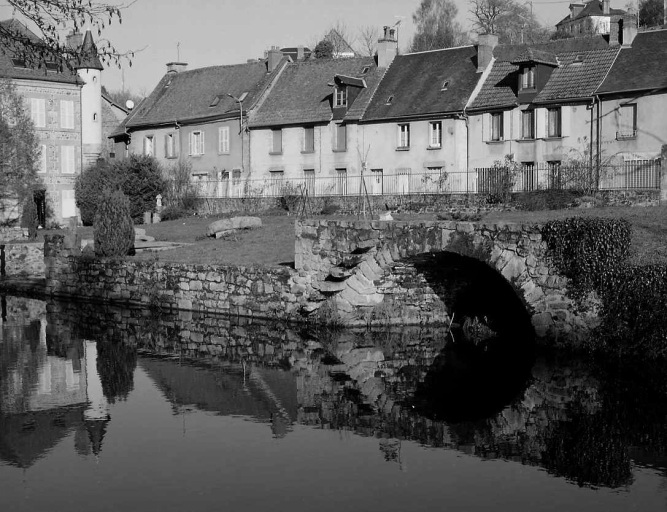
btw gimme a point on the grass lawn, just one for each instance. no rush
(273, 243)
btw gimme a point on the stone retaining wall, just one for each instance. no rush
(278, 293)
(22, 260)
(12, 233)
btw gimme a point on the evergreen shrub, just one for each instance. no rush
(113, 230)
(139, 177)
(29, 218)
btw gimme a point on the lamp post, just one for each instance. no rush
(240, 102)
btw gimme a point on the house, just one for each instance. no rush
(633, 127)
(198, 117)
(112, 115)
(341, 48)
(65, 107)
(307, 129)
(588, 17)
(414, 130)
(537, 106)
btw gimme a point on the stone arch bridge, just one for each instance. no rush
(381, 273)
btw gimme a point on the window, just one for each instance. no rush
(403, 136)
(341, 96)
(42, 158)
(341, 181)
(555, 175)
(308, 139)
(196, 143)
(149, 148)
(38, 112)
(554, 122)
(223, 139)
(276, 183)
(528, 124)
(627, 121)
(497, 128)
(528, 176)
(67, 165)
(435, 134)
(528, 78)
(277, 141)
(170, 145)
(67, 114)
(377, 181)
(340, 137)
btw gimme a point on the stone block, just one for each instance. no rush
(232, 224)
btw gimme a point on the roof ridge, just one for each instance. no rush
(440, 49)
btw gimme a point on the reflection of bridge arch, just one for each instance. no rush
(366, 269)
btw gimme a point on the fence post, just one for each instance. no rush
(663, 175)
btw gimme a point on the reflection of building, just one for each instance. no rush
(44, 397)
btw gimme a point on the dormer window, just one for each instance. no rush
(389, 100)
(341, 96)
(215, 102)
(365, 70)
(445, 84)
(528, 78)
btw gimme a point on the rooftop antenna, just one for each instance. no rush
(400, 19)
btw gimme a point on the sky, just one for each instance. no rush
(214, 32)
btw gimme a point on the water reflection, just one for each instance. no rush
(588, 423)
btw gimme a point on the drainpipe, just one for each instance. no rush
(463, 116)
(598, 142)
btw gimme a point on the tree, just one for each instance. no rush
(50, 17)
(113, 230)
(436, 26)
(651, 13)
(19, 151)
(324, 50)
(510, 21)
(368, 40)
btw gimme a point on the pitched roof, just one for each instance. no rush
(88, 57)
(341, 46)
(202, 94)
(592, 8)
(536, 56)
(303, 94)
(640, 66)
(583, 64)
(13, 66)
(425, 83)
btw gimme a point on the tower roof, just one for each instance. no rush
(87, 57)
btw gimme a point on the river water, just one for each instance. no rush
(114, 409)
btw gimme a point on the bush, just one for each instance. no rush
(113, 230)
(587, 250)
(181, 196)
(139, 177)
(546, 200)
(29, 218)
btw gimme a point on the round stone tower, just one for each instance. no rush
(89, 69)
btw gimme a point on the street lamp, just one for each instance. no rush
(240, 102)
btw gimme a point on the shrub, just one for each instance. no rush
(139, 177)
(113, 230)
(180, 194)
(29, 218)
(587, 250)
(546, 200)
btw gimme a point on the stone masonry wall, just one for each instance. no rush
(7, 234)
(278, 293)
(25, 260)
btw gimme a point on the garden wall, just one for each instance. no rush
(11, 233)
(22, 260)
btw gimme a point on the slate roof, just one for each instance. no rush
(640, 66)
(9, 70)
(583, 64)
(415, 82)
(187, 96)
(302, 93)
(88, 57)
(592, 8)
(537, 56)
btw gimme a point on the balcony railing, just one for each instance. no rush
(639, 174)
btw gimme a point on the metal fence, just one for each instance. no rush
(643, 174)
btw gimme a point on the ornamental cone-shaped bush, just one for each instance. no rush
(113, 229)
(29, 217)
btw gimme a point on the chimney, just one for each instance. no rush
(664, 12)
(605, 7)
(176, 67)
(300, 53)
(273, 57)
(388, 47)
(615, 31)
(629, 31)
(485, 45)
(75, 40)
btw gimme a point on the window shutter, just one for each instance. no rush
(42, 158)
(540, 123)
(202, 146)
(565, 121)
(486, 127)
(507, 125)
(191, 143)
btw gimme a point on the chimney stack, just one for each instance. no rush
(388, 47)
(605, 7)
(485, 45)
(576, 8)
(300, 55)
(664, 12)
(629, 31)
(273, 57)
(176, 67)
